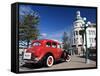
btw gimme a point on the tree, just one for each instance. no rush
(65, 41)
(28, 28)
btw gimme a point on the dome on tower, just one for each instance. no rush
(78, 15)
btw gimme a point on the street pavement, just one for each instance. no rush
(76, 62)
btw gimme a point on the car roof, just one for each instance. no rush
(46, 40)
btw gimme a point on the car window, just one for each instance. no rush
(48, 44)
(36, 44)
(54, 45)
(59, 46)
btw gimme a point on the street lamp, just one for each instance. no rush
(87, 52)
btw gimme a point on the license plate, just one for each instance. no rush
(27, 55)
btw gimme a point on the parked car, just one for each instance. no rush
(46, 52)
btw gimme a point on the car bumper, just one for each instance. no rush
(30, 61)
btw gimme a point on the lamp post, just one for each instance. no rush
(87, 52)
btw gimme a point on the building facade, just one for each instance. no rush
(78, 36)
(91, 36)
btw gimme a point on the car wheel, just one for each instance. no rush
(49, 60)
(68, 58)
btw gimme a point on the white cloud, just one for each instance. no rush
(57, 35)
(44, 34)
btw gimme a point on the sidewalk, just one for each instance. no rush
(79, 62)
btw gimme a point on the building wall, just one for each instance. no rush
(77, 38)
(91, 35)
(78, 42)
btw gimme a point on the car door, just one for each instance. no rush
(59, 50)
(48, 47)
(55, 50)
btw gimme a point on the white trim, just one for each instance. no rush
(52, 61)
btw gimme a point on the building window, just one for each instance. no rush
(92, 40)
(74, 40)
(81, 32)
(90, 32)
(76, 32)
(93, 32)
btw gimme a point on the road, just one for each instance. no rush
(76, 62)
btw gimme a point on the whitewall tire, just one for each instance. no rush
(49, 61)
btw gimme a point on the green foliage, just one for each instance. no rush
(28, 28)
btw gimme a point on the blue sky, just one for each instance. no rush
(55, 20)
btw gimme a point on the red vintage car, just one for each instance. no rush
(45, 51)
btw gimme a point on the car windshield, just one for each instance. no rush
(36, 44)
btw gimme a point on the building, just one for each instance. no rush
(91, 36)
(78, 36)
